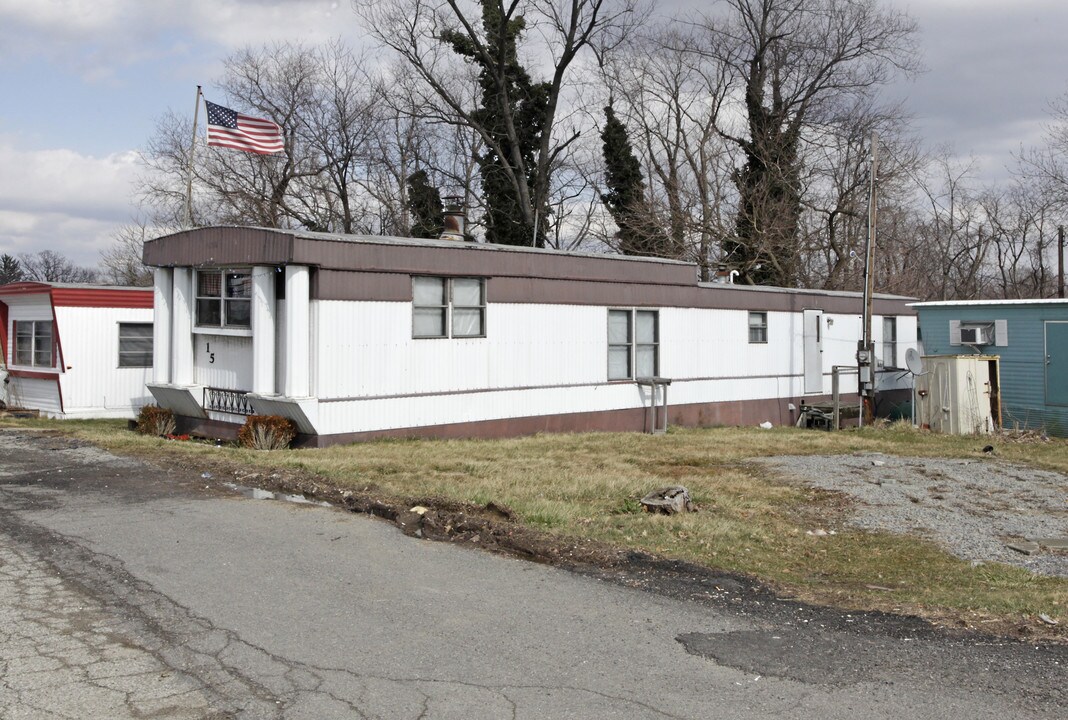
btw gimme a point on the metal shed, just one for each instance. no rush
(1030, 337)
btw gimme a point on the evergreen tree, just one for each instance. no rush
(424, 204)
(625, 199)
(10, 270)
(507, 91)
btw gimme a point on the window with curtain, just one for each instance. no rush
(468, 307)
(224, 298)
(448, 307)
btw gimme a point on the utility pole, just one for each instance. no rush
(1060, 261)
(866, 351)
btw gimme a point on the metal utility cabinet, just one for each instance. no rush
(959, 394)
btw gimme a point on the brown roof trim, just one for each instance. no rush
(397, 287)
(472, 259)
(220, 246)
(368, 268)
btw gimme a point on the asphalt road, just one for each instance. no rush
(130, 591)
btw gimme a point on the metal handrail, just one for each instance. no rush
(233, 402)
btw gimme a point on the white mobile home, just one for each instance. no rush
(356, 337)
(76, 351)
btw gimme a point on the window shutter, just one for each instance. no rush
(14, 336)
(1001, 333)
(954, 332)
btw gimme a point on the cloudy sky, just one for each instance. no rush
(84, 82)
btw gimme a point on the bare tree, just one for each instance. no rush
(1023, 219)
(353, 134)
(292, 188)
(50, 266)
(434, 37)
(121, 263)
(955, 242)
(1047, 165)
(833, 225)
(791, 65)
(671, 91)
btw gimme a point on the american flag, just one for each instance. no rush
(229, 128)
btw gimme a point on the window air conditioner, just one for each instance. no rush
(976, 335)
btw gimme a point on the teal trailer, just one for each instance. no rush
(1031, 339)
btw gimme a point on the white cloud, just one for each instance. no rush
(61, 200)
(64, 17)
(96, 38)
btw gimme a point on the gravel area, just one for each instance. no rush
(973, 508)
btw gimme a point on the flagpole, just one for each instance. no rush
(189, 178)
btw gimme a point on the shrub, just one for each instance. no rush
(267, 432)
(154, 420)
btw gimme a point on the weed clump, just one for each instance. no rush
(267, 432)
(155, 420)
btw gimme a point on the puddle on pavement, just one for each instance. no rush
(258, 494)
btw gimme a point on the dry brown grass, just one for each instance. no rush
(750, 521)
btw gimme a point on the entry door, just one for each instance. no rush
(813, 322)
(1057, 363)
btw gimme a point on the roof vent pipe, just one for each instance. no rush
(454, 219)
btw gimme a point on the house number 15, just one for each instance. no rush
(211, 355)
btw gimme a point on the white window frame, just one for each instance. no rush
(34, 350)
(223, 298)
(138, 353)
(450, 307)
(632, 345)
(762, 329)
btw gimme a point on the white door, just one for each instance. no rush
(813, 322)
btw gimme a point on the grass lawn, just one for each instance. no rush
(750, 522)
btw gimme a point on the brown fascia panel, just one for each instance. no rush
(380, 269)
(220, 247)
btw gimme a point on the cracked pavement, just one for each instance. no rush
(130, 591)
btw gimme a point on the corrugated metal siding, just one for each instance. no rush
(29, 307)
(101, 297)
(365, 354)
(34, 394)
(93, 383)
(1023, 368)
(222, 361)
(367, 349)
(385, 413)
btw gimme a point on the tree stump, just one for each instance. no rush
(669, 500)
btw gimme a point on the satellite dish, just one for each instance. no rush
(914, 362)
